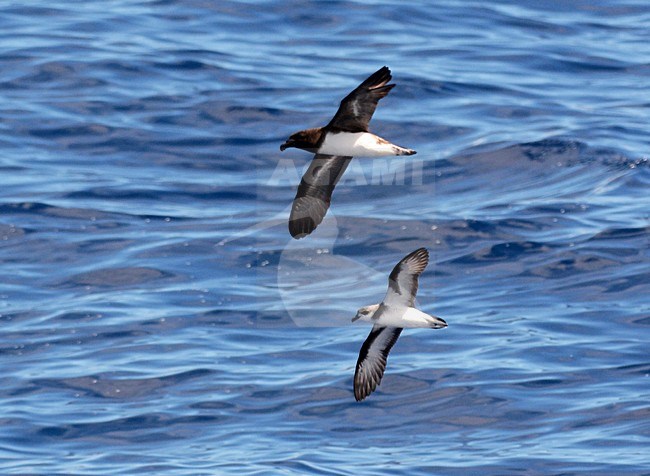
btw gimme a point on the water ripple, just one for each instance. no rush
(157, 318)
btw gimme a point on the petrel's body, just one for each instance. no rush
(395, 312)
(345, 136)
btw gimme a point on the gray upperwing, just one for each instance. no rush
(357, 108)
(315, 193)
(403, 280)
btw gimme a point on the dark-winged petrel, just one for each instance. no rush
(394, 313)
(345, 136)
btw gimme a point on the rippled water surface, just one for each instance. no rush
(158, 319)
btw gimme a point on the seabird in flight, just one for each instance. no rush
(393, 314)
(345, 136)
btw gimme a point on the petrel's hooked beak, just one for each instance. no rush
(288, 143)
(356, 318)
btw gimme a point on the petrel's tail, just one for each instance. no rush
(403, 150)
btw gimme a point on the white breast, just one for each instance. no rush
(404, 317)
(359, 144)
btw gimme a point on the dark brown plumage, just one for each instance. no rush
(315, 190)
(356, 109)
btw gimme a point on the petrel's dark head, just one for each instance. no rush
(306, 140)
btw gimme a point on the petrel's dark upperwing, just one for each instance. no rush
(315, 193)
(357, 108)
(372, 359)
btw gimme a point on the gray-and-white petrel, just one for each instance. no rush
(345, 136)
(393, 314)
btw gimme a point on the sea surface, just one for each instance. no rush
(157, 318)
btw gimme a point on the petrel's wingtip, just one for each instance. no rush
(301, 227)
(297, 235)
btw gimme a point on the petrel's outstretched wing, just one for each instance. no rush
(357, 108)
(315, 192)
(372, 359)
(403, 280)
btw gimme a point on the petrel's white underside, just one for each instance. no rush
(359, 144)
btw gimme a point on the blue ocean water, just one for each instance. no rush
(158, 319)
